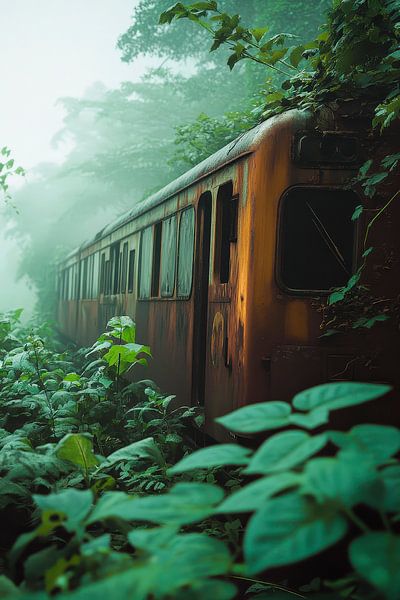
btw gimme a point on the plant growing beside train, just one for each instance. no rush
(98, 529)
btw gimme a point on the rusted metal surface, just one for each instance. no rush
(244, 340)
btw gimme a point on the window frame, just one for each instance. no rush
(307, 293)
(181, 213)
(163, 295)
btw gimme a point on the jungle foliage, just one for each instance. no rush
(352, 68)
(100, 494)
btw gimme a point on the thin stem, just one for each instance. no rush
(356, 520)
(378, 214)
(274, 585)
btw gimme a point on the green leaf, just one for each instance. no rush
(259, 32)
(274, 97)
(185, 503)
(338, 395)
(376, 557)
(253, 496)
(315, 418)
(391, 482)
(257, 417)
(377, 442)
(146, 448)
(77, 449)
(214, 456)
(365, 168)
(288, 529)
(284, 451)
(357, 212)
(296, 56)
(73, 504)
(347, 482)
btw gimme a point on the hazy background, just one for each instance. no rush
(50, 49)
(103, 106)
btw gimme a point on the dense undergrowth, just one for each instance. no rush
(101, 494)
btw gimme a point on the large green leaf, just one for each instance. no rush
(257, 417)
(391, 482)
(376, 557)
(345, 482)
(338, 395)
(288, 529)
(284, 451)
(73, 505)
(185, 503)
(253, 496)
(146, 448)
(377, 441)
(184, 562)
(77, 449)
(110, 504)
(214, 456)
(311, 420)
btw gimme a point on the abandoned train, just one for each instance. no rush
(224, 270)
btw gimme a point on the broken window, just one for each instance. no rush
(168, 257)
(226, 230)
(316, 239)
(155, 280)
(146, 258)
(185, 253)
(131, 273)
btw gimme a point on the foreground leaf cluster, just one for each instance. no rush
(92, 522)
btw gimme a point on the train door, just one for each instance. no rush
(201, 291)
(218, 384)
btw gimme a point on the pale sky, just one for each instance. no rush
(50, 49)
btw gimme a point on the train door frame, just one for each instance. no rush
(201, 292)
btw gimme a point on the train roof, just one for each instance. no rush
(241, 146)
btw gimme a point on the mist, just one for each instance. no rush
(102, 106)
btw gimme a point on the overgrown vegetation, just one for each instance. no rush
(352, 68)
(101, 495)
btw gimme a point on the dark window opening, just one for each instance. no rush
(114, 275)
(155, 279)
(131, 273)
(316, 239)
(107, 289)
(227, 207)
(124, 268)
(103, 274)
(185, 253)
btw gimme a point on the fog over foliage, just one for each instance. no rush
(149, 116)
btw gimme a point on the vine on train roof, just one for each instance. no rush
(354, 60)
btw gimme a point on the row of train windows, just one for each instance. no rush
(166, 258)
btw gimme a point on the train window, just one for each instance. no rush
(131, 272)
(226, 230)
(95, 287)
(155, 279)
(103, 274)
(146, 256)
(107, 278)
(316, 239)
(124, 268)
(185, 253)
(84, 278)
(168, 257)
(115, 266)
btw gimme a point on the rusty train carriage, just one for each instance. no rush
(220, 269)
